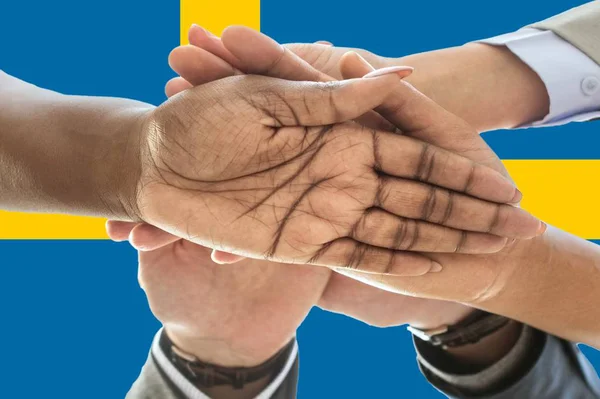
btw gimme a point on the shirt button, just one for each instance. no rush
(590, 85)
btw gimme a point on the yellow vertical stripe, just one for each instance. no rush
(217, 15)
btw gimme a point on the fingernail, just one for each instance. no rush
(209, 33)
(402, 71)
(324, 42)
(518, 197)
(543, 228)
(435, 267)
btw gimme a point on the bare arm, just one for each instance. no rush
(68, 154)
(487, 86)
(558, 277)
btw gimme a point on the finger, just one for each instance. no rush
(416, 200)
(199, 66)
(176, 86)
(415, 114)
(225, 258)
(353, 65)
(258, 54)
(383, 229)
(204, 39)
(119, 231)
(349, 254)
(145, 237)
(418, 160)
(315, 104)
(420, 117)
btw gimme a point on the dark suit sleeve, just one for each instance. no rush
(289, 386)
(579, 26)
(152, 383)
(544, 367)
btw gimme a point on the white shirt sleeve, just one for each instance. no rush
(191, 392)
(571, 77)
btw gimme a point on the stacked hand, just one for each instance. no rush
(216, 300)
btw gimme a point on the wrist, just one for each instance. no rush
(544, 283)
(67, 154)
(488, 86)
(219, 352)
(446, 314)
(474, 343)
(231, 382)
(489, 350)
(519, 267)
(118, 176)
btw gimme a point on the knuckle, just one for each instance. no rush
(426, 163)
(354, 260)
(499, 219)
(383, 193)
(407, 234)
(430, 203)
(470, 180)
(448, 209)
(462, 239)
(329, 87)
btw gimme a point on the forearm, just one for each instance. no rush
(487, 86)
(67, 154)
(555, 287)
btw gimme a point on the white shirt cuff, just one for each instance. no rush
(571, 77)
(191, 392)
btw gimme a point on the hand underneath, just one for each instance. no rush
(322, 56)
(237, 315)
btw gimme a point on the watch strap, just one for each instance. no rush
(206, 375)
(471, 330)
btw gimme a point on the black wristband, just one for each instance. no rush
(206, 375)
(471, 330)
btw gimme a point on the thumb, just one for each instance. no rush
(288, 103)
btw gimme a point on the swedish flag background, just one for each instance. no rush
(74, 322)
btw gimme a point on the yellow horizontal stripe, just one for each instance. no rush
(14, 225)
(217, 15)
(563, 193)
